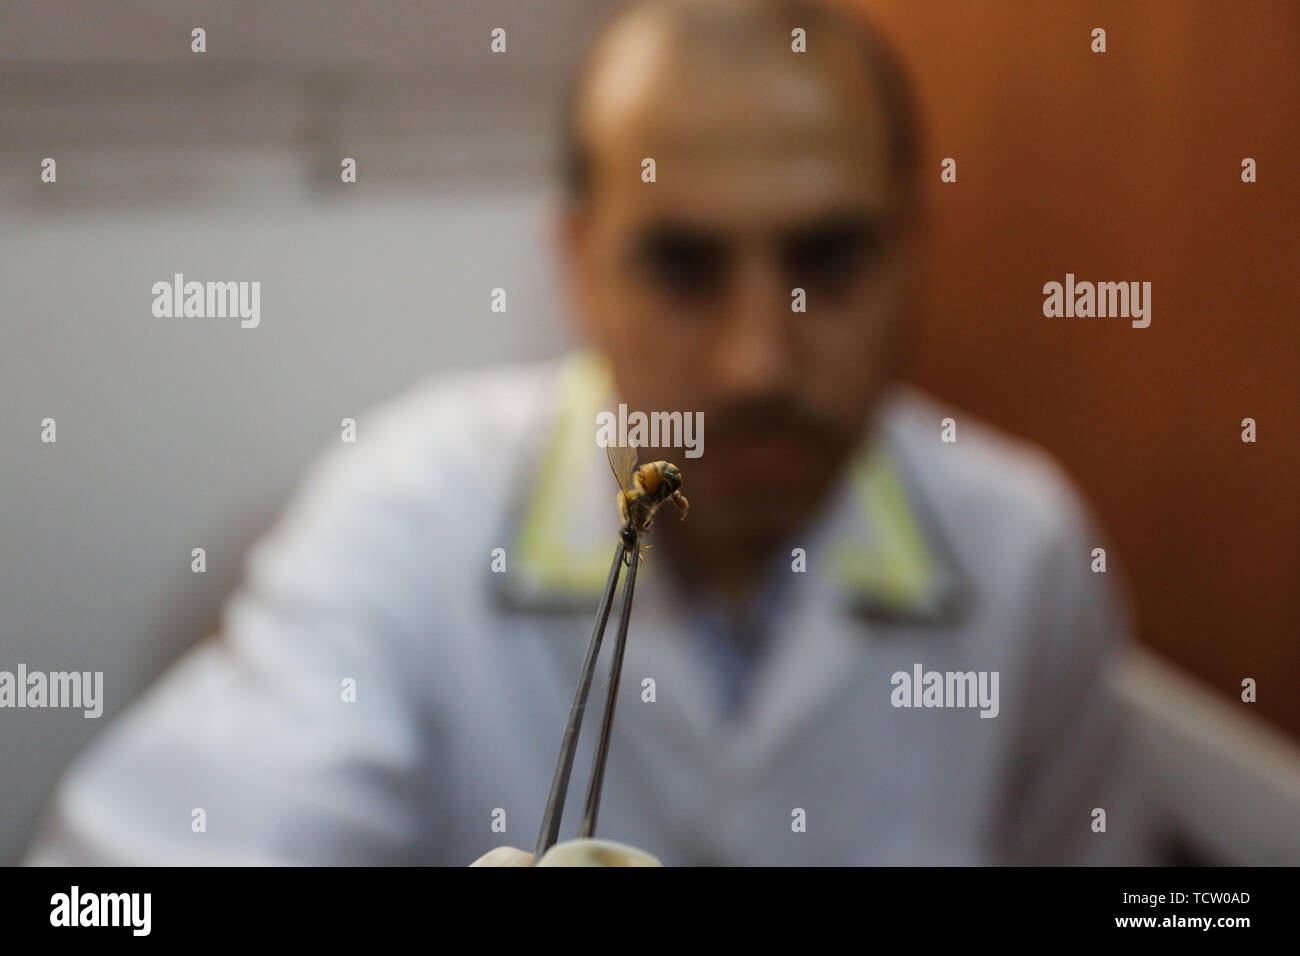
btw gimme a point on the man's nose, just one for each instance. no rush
(755, 350)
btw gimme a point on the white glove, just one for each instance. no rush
(586, 852)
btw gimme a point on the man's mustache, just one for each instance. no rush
(774, 416)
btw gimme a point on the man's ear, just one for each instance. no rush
(569, 239)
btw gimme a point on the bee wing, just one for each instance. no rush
(622, 459)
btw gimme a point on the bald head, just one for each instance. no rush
(740, 243)
(688, 53)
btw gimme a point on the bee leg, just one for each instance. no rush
(682, 504)
(640, 554)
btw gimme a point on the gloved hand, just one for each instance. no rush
(586, 852)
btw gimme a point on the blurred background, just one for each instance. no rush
(1121, 166)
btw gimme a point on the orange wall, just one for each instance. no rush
(1126, 166)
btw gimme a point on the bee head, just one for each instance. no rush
(672, 476)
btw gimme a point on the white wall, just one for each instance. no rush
(174, 433)
(183, 433)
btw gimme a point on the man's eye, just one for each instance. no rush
(684, 265)
(831, 258)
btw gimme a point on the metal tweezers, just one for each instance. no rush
(626, 552)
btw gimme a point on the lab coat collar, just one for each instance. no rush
(885, 553)
(874, 560)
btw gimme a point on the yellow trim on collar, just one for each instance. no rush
(896, 570)
(542, 558)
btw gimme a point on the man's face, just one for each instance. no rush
(772, 175)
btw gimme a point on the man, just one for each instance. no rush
(741, 237)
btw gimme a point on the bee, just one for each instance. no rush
(642, 490)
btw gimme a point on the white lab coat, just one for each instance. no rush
(966, 556)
